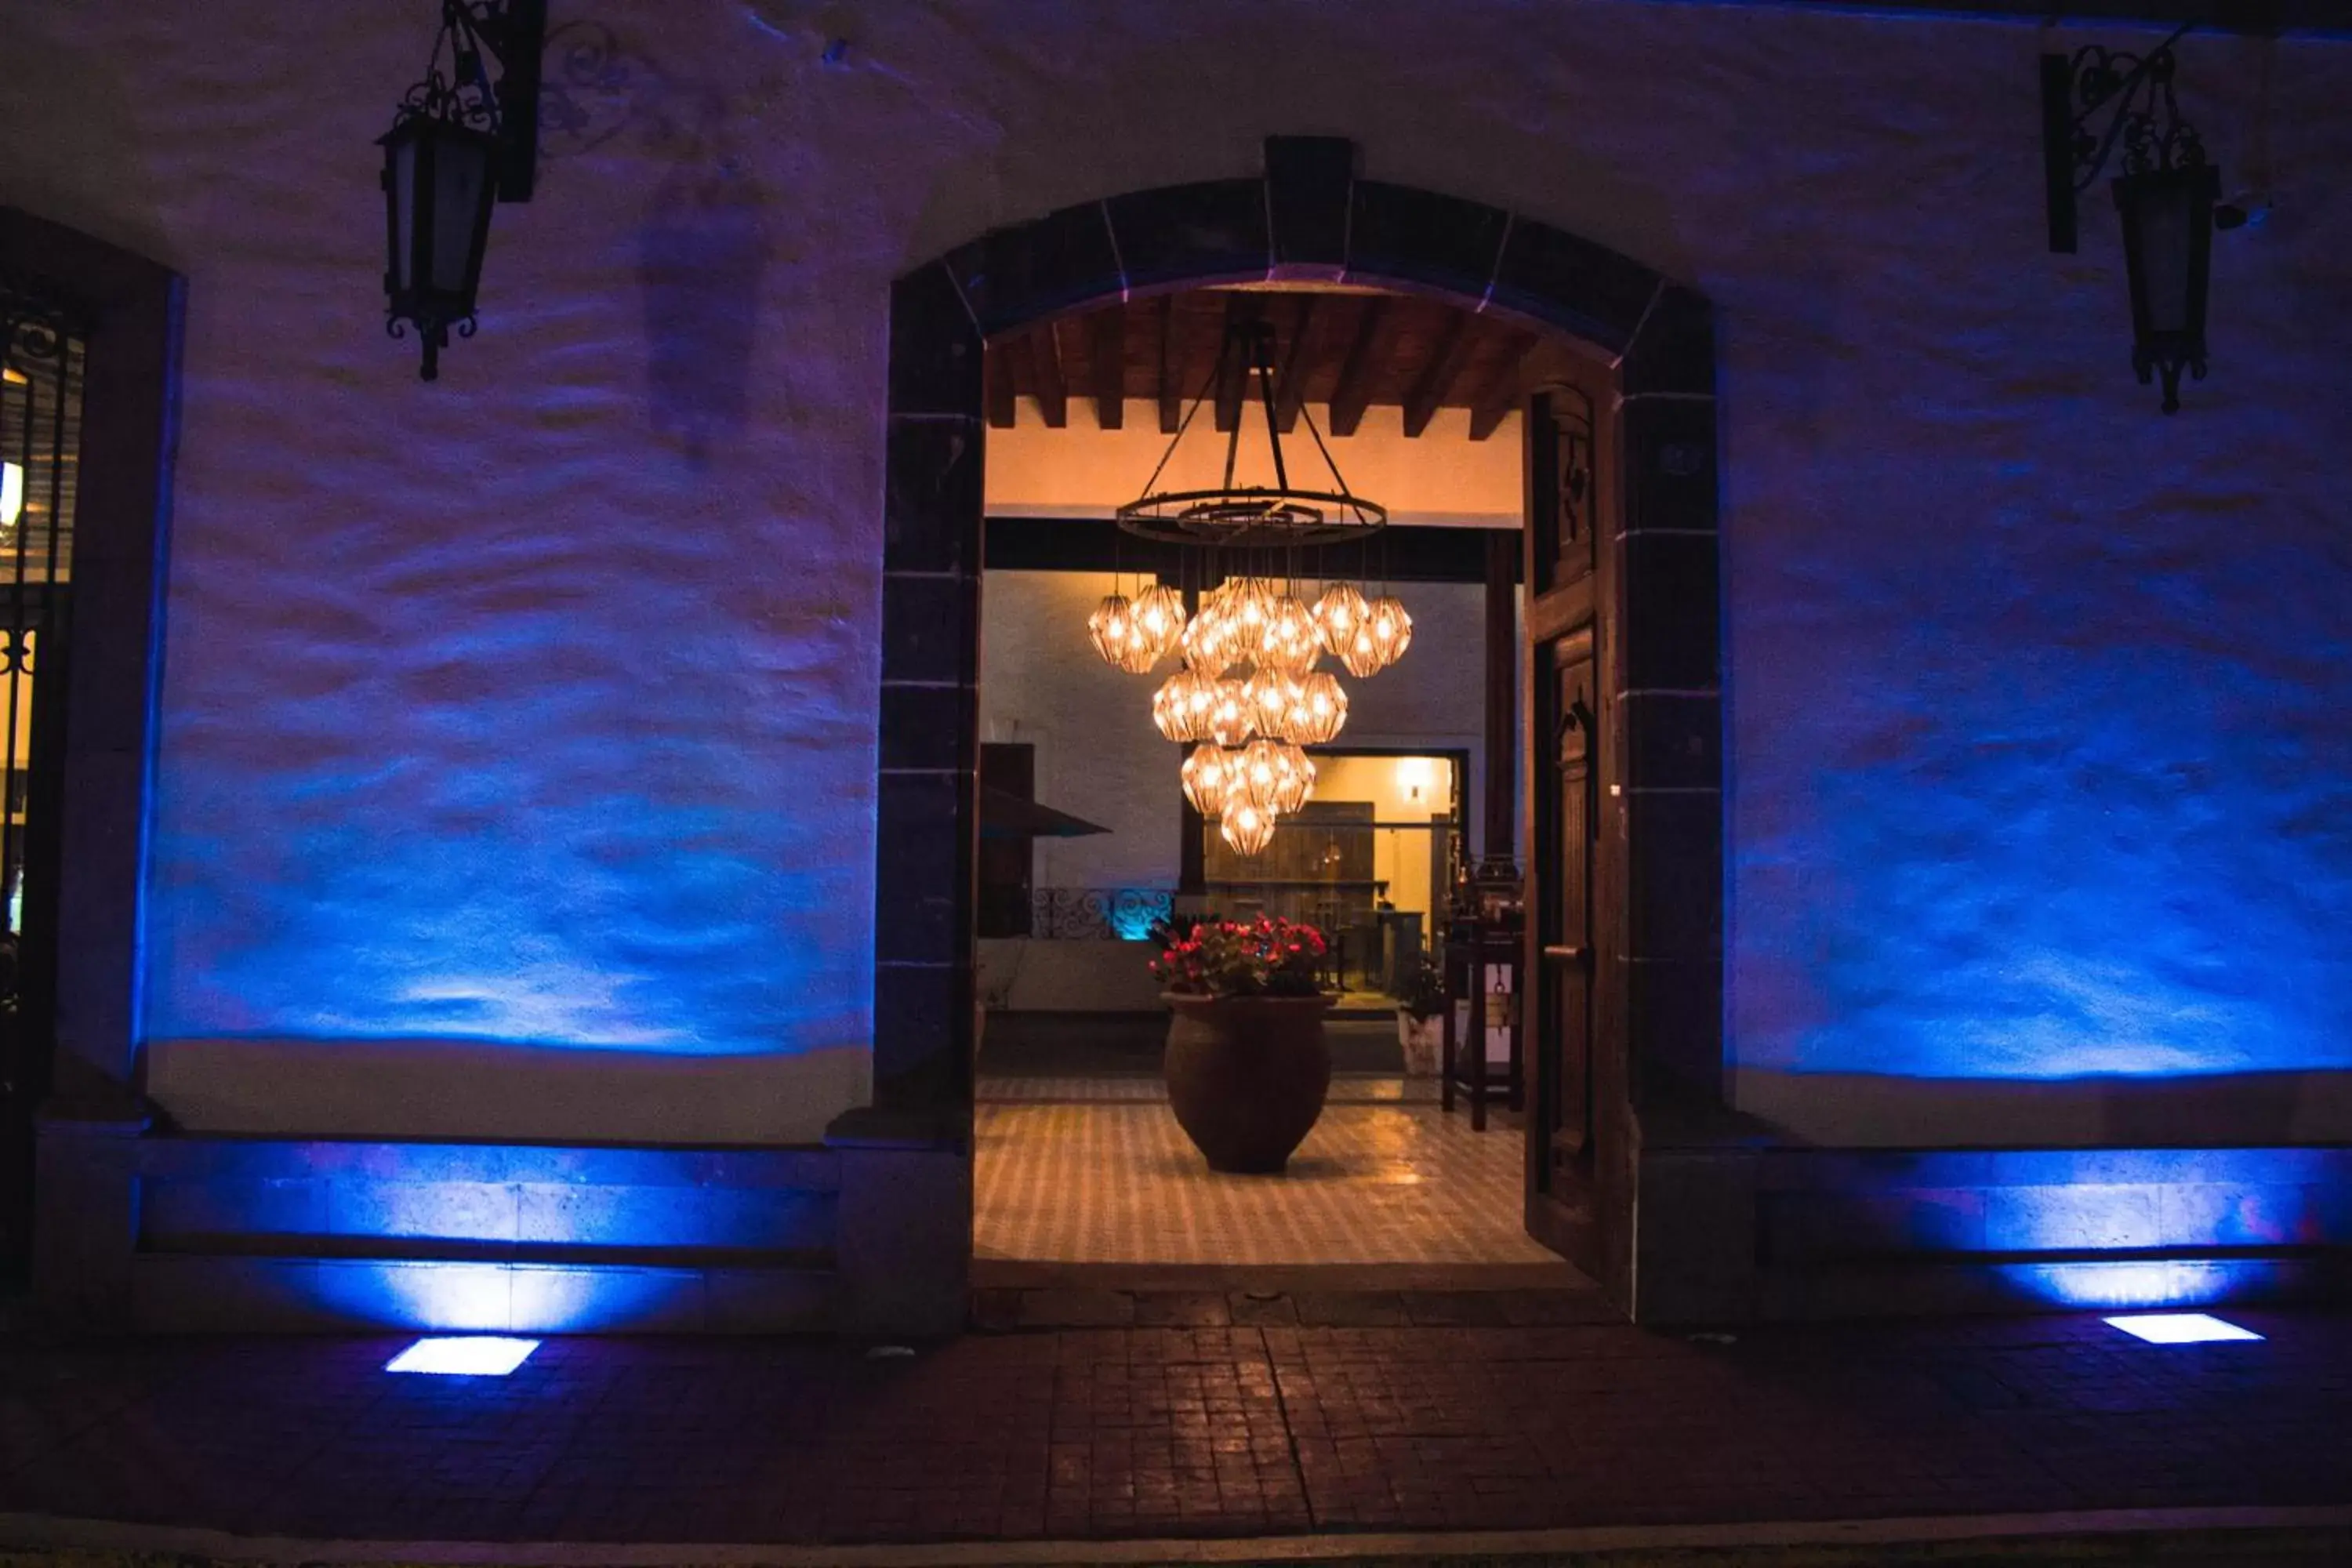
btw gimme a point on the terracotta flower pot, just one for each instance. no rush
(1247, 1076)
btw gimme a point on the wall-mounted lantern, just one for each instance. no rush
(2168, 196)
(458, 142)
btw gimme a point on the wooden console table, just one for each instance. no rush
(1472, 947)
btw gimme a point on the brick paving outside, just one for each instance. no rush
(1244, 1423)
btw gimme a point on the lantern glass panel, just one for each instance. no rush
(440, 183)
(461, 193)
(2158, 227)
(401, 159)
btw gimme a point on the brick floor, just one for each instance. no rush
(1225, 1430)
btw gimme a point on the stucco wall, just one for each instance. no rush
(518, 731)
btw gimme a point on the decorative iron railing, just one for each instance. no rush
(1108, 914)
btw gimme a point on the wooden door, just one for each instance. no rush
(1574, 1126)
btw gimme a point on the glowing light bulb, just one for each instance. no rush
(1180, 708)
(1259, 775)
(1337, 615)
(1249, 603)
(1318, 711)
(1107, 628)
(1414, 776)
(1290, 641)
(12, 493)
(1207, 640)
(1390, 630)
(1136, 653)
(1247, 829)
(1294, 781)
(1269, 696)
(1159, 614)
(1208, 776)
(1232, 721)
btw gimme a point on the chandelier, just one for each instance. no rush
(1246, 698)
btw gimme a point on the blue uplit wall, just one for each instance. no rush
(2040, 823)
(518, 730)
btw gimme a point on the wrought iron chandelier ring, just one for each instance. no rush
(1275, 516)
(1253, 517)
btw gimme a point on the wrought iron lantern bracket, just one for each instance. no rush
(2135, 92)
(2095, 103)
(475, 35)
(460, 142)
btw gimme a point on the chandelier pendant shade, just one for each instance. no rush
(1391, 629)
(1182, 707)
(1159, 615)
(1232, 721)
(1317, 713)
(1208, 775)
(1338, 613)
(1247, 829)
(1106, 628)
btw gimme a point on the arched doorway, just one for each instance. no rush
(1621, 596)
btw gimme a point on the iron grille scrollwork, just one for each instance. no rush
(1108, 914)
(2148, 124)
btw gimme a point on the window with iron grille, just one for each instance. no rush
(41, 362)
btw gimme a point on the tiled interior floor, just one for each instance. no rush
(1095, 1169)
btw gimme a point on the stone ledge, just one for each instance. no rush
(1736, 1226)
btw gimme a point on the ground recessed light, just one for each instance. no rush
(2179, 1328)
(473, 1355)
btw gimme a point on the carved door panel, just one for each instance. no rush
(1565, 931)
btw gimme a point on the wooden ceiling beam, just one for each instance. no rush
(996, 388)
(1352, 392)
(1046, 377)
(1436, 384)
(1506, 388)
(1233, 368)
(1295, 364)
(1169, 393)
(1106, 365)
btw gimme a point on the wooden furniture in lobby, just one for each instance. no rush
(1473, 947)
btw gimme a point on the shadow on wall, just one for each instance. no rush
(704, 244)
(700, 256)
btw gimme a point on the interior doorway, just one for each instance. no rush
(1079, 1166)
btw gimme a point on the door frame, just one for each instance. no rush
(1306, 217)
(127, 311)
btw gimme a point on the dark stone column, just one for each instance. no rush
(1672, 704)
(927, 790)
